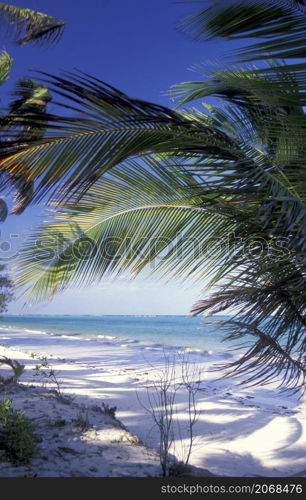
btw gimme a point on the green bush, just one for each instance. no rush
(17, 438)
(17, 368)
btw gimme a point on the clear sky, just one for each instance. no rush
(135, 46)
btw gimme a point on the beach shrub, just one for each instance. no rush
(47, 374)
(17, 437)
(17, 368)
(82, 420)
(161, 405)
(109, 410)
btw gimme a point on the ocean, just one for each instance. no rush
(158, 332)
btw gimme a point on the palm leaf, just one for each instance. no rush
(30, 26)
(270, 104)
(265, 360)
(123, 229)
(280, 24)
(5, 65)
(109, 127)
(269, 297)
(31, 100)
(268, 118)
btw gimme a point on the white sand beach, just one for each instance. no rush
(240, 431)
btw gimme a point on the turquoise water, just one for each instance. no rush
(176, 331)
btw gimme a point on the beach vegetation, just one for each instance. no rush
(160, 403)
(82, 419)
(108, 410)
(15, 366)
(47, 375)
(209, 193)
(17, 437)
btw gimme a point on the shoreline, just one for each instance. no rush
(240, 431)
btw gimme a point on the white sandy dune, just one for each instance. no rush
(239, 432)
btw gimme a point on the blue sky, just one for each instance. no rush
(135, 46)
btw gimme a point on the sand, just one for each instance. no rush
(239, 432)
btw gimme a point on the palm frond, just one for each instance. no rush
(123, 228)
(276, 188)
(281, 25)
(273, 87)
(107, 128)
(267, 116)
(155, 200)
(265, 360)
(5, 65)
(269, 298)
(30, 26)
(271, 104)
(31, 100)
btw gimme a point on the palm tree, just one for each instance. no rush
(212, 193)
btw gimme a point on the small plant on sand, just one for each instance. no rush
(109, 410)
(16, 367)
(191, 381)
(17, 438)
(161, 395)
(82, 419)
(46, 373)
